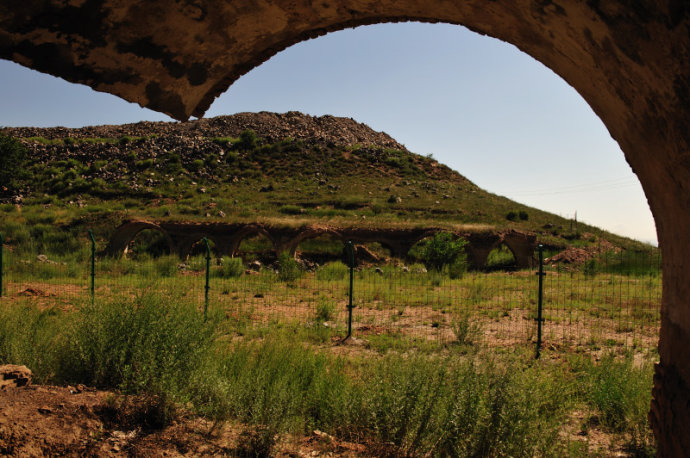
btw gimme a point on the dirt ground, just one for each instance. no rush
(78, 421)
(37, 421)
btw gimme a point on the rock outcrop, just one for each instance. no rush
(13, 376)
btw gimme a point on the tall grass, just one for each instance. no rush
(480, 403)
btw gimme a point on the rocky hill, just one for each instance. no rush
(291, 168)
(269, 126)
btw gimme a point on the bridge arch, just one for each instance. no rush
(628, 60)
(311, 233)
(248, 231)
(191, 245)
(125, 234)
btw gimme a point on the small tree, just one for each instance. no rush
(443, 250)
(248, 141)
(12, 158)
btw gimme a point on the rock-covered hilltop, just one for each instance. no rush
(270, 126)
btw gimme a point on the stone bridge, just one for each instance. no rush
(182, 236)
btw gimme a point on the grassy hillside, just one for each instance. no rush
(72, 180)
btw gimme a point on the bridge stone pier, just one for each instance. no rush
(227, 237)
(630, 61)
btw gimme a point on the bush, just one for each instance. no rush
(324, 311)
(511, 216)
(144, 164)
(230, 268)
(332, 271)
(466, 331)
(523, 215)
(195, 165)
(290, 209)
(166, 266)
(620, 391)
(443, 250)
(12, 159)
(150, 344)
(288, 268)
(248, 141)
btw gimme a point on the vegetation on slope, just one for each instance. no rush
(75, 181)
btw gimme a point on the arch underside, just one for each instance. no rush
(629, 60)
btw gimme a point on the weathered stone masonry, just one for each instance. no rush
(181, 237)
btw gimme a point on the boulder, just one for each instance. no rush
(13, 376)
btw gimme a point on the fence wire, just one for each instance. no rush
(609, 300)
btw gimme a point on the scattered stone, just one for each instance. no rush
(221, 213)
(394, 199)
(405, 269)
(13, 376)
(379, 271)
(255, 266)
(44, 259)
(34, 292)
(267, 188)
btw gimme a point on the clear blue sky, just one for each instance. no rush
(478, 105)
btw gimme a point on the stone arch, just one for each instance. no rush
(191, 241)
(497, 246)
(628, 60)
(124, 234)
(413, 241)
(522, 246)
(311, 233)
(248, 231)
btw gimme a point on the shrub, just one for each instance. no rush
(332, 271)
(166, 266)
(195, 165)
(511, 216)
(12, 159)
(230, 268)
(620, 391)
(324, 311)
(443, 250)
(523, 215)
(144, 164)
(149, 344)
(288, 268)
(590, 268)
(248, 141)
(467, 332)
(290, 209)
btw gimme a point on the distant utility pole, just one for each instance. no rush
(576, 221)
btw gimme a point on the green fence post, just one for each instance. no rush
(93, 266)
(541, 297)
(208, 277)
(350, 249)
(2, 243)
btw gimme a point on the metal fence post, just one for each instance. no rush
(350, 249)
(2, 243)
(208, 277)
(540, 300)
(93, 266)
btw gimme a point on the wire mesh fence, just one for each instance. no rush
(610, 299)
